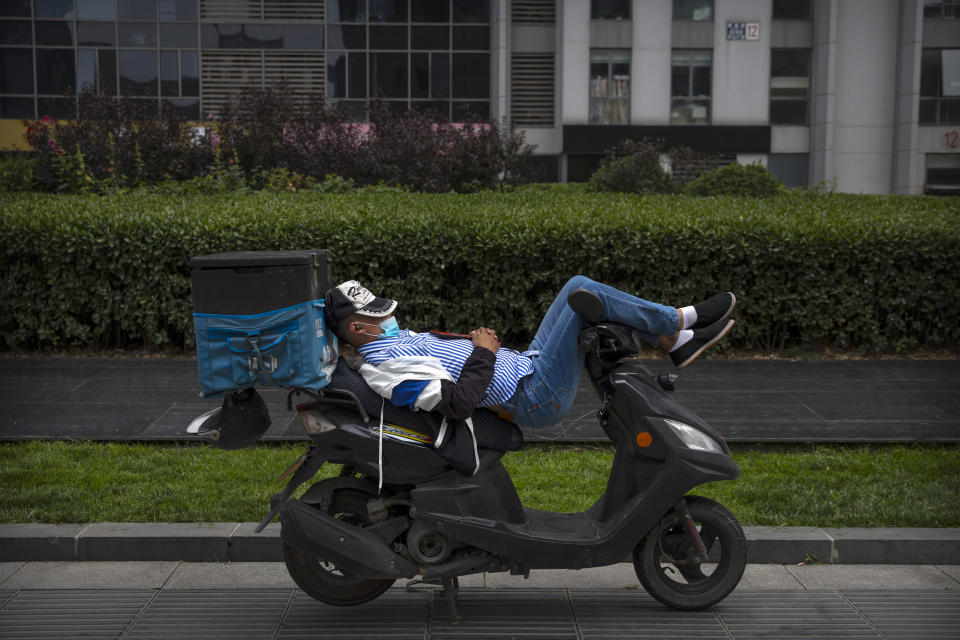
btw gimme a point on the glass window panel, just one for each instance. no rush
(388, 10)
(15, 32)
(788, 112)
(599, 111)
(431, 37)
(388, 75)
(16, 108)
(693, 10)
(296, 36)
(471, 38)
(16, 71)
(54, 8)
(15, 8)
(791, 168)
(107, 80)
(684, 111)
(700, 85)
(189, 73)
(54, 33)
(930, 72)
(336, 74)
(138, 73)
(57, 108)
(357, 74)
(599, 79)
(791, 9)
(471, 75)
(169, 73)
(419, 75)
(86, 70)
(178, 35)
(619, 80)
(474, 110)
(346, 37)
(679, 80)
(178, 10)
(610, 9)
(790, 62)
(137, 34)
(137, 9)
(471, 10)
(429, 11)
(96, 34)
(55, 71)
(439, 75)
(186, 108)
(347, 11)
(95, 10)
(949, 111)
(950, 68)
(928, 111)
(388, 37)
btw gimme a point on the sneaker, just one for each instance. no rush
(702, 340)
(587, 305)
(716, 309)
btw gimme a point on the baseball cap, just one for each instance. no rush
(352, 297)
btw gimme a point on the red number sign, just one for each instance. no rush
(952, 139)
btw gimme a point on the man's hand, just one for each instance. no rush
(486, 338)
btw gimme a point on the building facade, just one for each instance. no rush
(858, 95)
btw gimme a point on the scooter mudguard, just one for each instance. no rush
(363, 552)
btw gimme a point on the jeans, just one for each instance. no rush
(544, 396)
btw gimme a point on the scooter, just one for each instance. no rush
(345, 541)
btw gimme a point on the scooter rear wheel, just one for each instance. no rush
(321, 579)
(666, 561)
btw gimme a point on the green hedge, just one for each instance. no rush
(863, 272)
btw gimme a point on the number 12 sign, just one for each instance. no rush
(743, 31)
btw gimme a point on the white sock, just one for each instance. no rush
(685, 336)
(689, 317)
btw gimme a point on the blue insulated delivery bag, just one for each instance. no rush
(259, 320)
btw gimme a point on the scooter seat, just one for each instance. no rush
(491, 431)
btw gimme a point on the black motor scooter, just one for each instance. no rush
(345, 542)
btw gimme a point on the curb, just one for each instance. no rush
(237, 542)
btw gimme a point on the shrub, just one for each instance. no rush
(632, 167)
(851, 272)
(16, 173)
(751, 180)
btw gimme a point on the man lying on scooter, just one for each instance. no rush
(533, 388)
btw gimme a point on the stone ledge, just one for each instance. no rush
(237, 542)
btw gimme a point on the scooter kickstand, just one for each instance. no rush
(450, 588)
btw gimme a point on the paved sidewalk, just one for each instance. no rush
(258, 600)
(746, 400)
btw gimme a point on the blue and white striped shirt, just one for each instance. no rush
(510, 365)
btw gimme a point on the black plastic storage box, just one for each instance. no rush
(259, 320)
(247, 282)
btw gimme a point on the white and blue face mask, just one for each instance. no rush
(390, 328)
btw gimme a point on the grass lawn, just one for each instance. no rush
(813, 485)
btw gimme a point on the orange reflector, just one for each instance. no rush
(644, 439)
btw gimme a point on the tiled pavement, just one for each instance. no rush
(746, 400)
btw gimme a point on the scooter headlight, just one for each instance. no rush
(693, 437)
(314, 423)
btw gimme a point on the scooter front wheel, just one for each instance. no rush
(669, 568)
(321, 579)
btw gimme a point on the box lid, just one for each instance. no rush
(235, 259)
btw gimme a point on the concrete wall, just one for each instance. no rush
(650, 64)
(866, 65)
(575, 61)
(741, 68)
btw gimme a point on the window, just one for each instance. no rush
(791, 9)
(690, 84)
(609, 9)
(609, 86)
(697, 10)
(941, 9)
(790, 168)
(943, 173)
(940, 86)
(789, 85)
